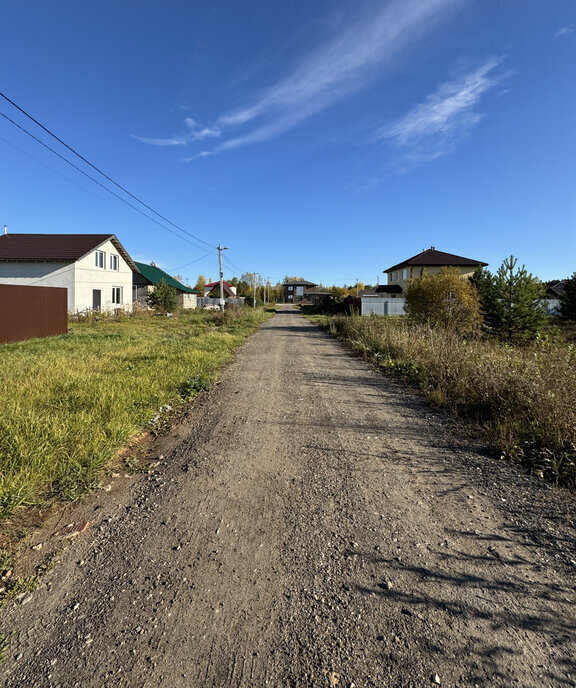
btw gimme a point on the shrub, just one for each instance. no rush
(444, 300)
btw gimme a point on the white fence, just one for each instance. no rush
(374, 305)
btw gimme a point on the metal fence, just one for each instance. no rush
(27, 312)
(374, 305)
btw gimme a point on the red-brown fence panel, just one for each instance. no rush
(27, 312)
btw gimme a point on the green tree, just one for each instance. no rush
(568, 299)
(512, 301)
(485, 284)
(164, 298)
(444, 300)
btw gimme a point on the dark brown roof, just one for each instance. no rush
(299, 283)
(434, 257)
(66, 248)
(555, 290)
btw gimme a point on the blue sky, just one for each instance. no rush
(323, 139)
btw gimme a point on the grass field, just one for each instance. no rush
(523, 399)
(71, 402)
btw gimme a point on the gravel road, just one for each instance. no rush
(314, 524)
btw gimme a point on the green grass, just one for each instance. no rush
(71, 402)
(523, 399)
(5, 639)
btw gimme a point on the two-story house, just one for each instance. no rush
(95, 268)
(430, 262)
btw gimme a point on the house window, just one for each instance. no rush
(114, 262)
(100, 259)
(290, 288)
(117, 296)
(404, 273)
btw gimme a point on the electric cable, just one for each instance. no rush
(95, 180)
(98, 170)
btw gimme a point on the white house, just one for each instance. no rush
(95, 268)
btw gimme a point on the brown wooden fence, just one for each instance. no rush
(27, 312)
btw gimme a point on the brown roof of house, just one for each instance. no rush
(299, 283)
(434, 257)
(66, 248)
(557, 289)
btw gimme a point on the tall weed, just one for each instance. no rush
(524, 398)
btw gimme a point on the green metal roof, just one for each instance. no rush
(155, 275)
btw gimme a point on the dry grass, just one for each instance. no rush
(523, 398)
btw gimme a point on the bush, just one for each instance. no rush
(444, 300)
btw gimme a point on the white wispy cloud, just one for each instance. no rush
(433, 128)
(192, 132)
(337, 69)
(565, 30)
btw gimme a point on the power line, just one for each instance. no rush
(71, 181)
(193, 261)
(97, 170)
(93, 179)
(233, 266)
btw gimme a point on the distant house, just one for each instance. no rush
(553, 293)
(294, 290)
(148, 276)
(212, 290)
(95, 268)
(430, 262)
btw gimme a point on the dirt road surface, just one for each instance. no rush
(316, 525)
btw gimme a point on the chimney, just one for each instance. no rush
(432, 248)
(5, 230)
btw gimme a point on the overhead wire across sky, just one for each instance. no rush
(188, 236)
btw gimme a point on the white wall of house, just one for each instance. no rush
(80, 278)
(40, 275)
(88, 277)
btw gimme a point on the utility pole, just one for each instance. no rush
(357, 287)
(220, 249)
